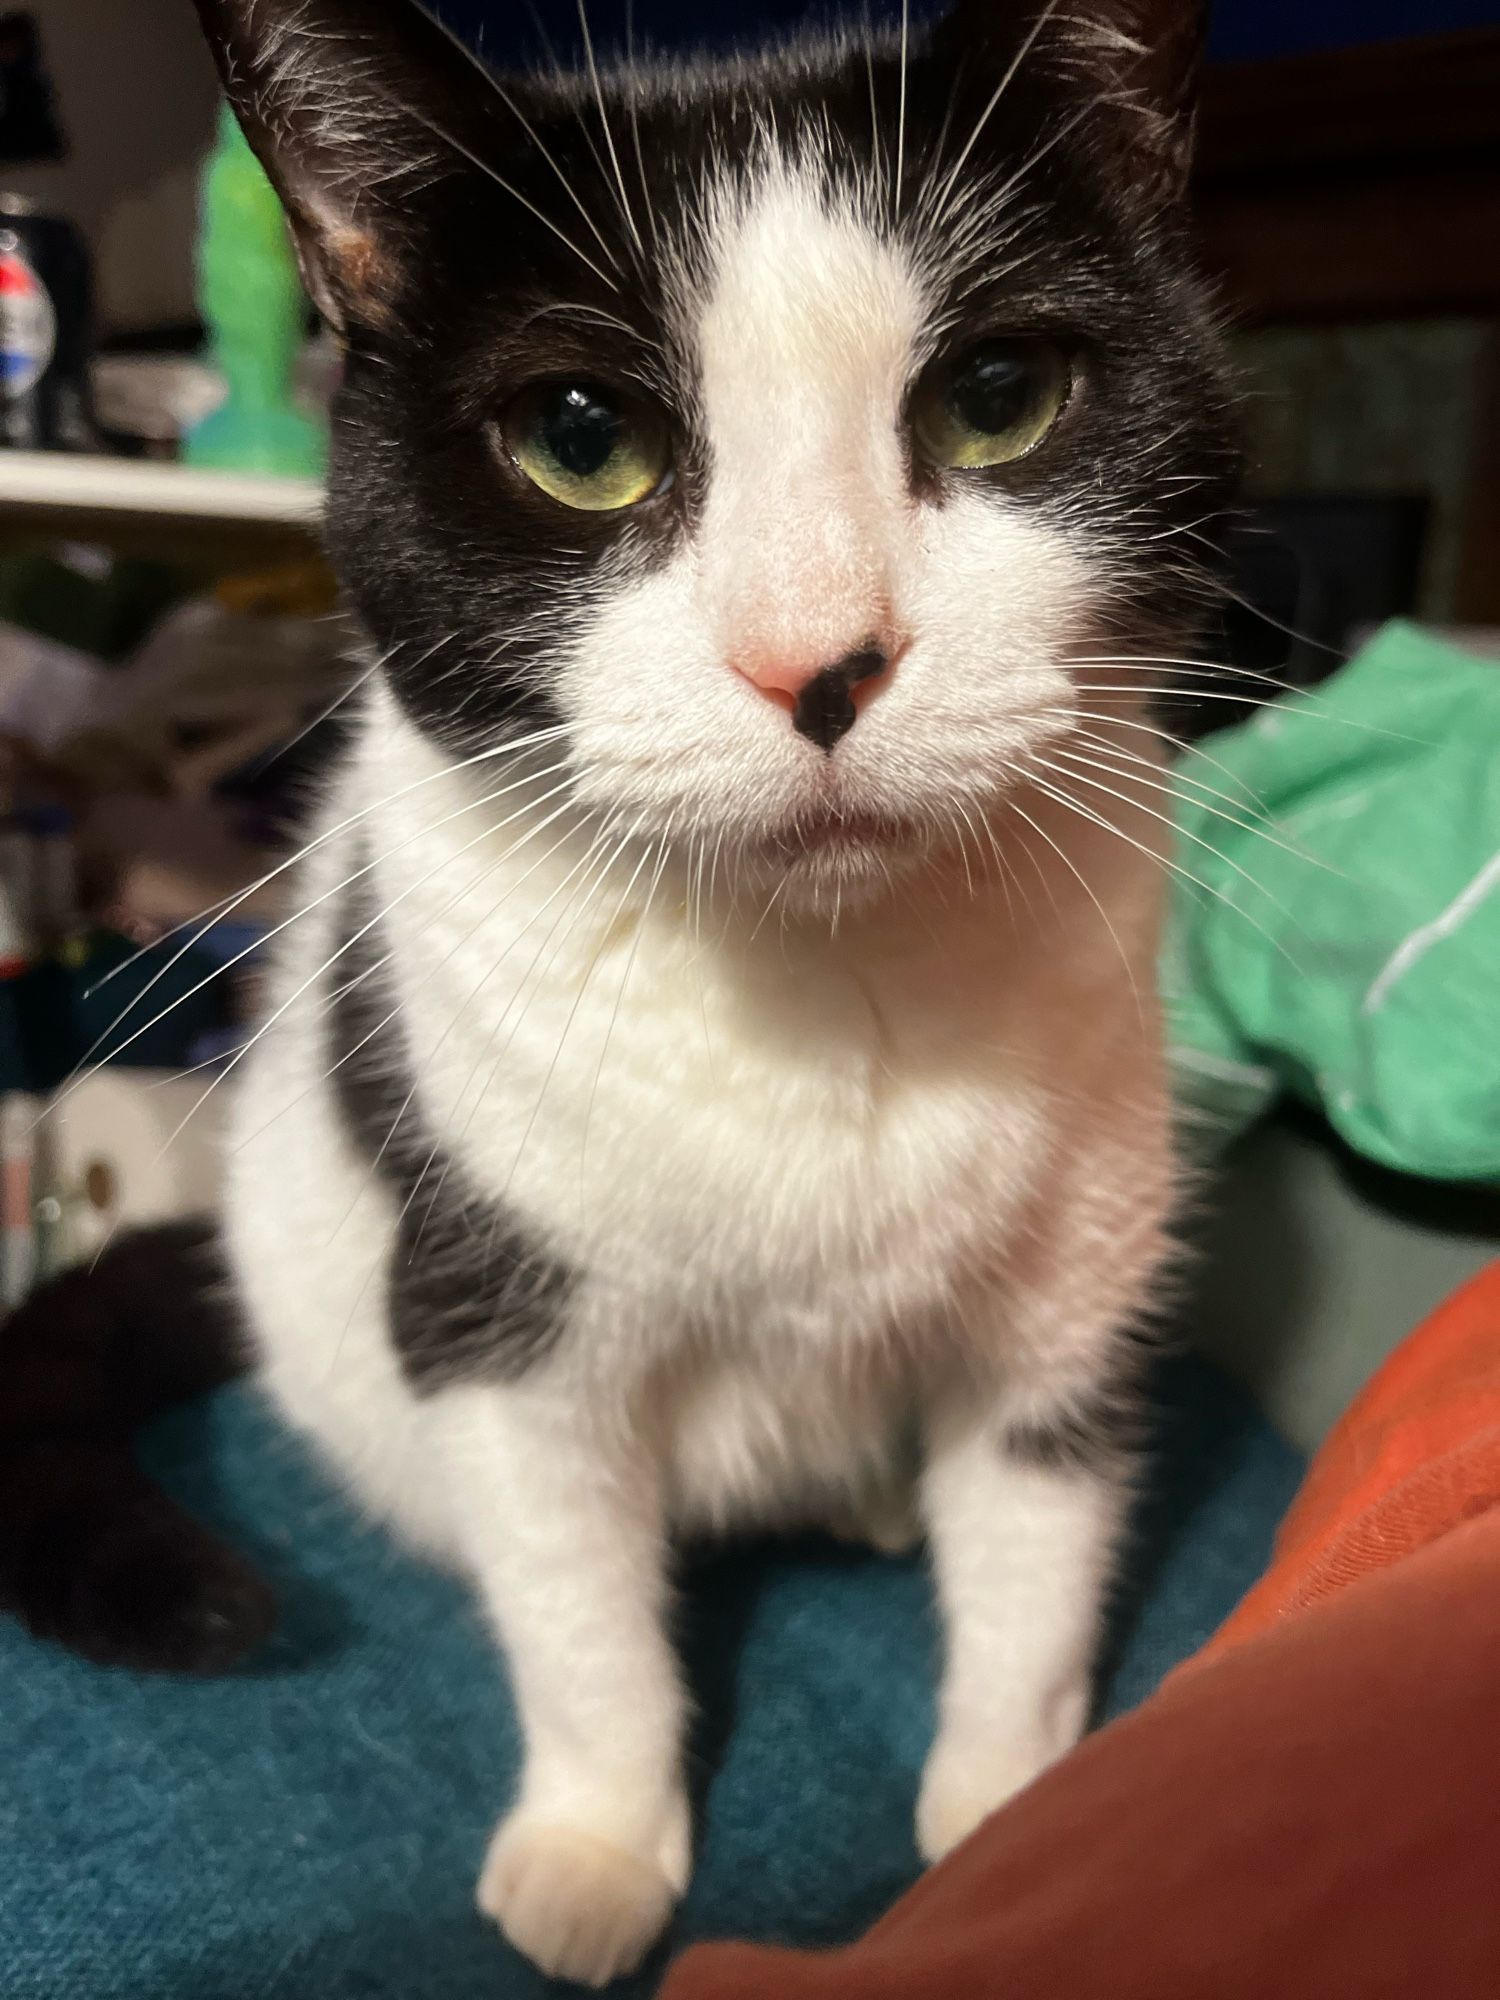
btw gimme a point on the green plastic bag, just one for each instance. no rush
(1342, 939)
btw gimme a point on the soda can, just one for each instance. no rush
(45, 313)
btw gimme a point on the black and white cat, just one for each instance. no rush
(716, 1078)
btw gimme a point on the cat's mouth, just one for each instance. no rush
(827, 830)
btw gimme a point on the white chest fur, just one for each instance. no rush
(727, 1117)
(778, 1157)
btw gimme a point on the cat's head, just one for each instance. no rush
(782, 432)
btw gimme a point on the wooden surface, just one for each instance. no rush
(1358, 183)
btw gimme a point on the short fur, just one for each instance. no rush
(664, 1109)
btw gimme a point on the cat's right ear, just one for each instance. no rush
(1136, 61)
(349, 104)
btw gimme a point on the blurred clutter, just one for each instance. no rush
(46, 284)
(158, 714)
(257, 399)
(153, 735)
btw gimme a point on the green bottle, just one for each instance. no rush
(251, 298)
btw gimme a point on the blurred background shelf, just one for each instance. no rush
(141, 506)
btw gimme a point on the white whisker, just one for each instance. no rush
(940, 201)
(486, 833)
(1087, 888)
(574, 915)
(1142, 771)
(431, 971)
(572, 1015)
(493, 173)
(1166, 819)
(614, 1015)
(498, 89)
(609, 137)
(419, 1076)
(227, 905)
(635, 123)
(1308, 709)
(1248, 800)
(901, 112)
(879, 167)
(1162, 861)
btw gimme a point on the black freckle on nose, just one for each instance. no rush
(825, 709)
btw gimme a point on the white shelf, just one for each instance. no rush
(67, 485)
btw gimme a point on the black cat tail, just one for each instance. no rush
(93, 1554)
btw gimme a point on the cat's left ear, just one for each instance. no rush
(350, 106)
(1139, 58)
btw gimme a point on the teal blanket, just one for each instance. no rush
(310, 1828)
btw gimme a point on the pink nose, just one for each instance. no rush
(820, 696)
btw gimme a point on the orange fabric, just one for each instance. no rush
(1305, 1810)
(1417, 1453)
(1310, 1818)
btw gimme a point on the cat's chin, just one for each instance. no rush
(837, 833)
(829, 863)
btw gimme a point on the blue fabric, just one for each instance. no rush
(310, 1829)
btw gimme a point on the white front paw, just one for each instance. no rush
(973, 1770)
(573, 1902)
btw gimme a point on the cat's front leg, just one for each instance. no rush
(1026, 1481)
(1023, 1492)
(564, 1534)
(1022, 1535)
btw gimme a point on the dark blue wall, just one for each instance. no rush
(1246, 28)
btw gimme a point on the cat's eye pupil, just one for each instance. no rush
(587, 446)
(579, 430)
(991, 393)
(991, 405)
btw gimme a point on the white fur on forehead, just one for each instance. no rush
(801, 255)
(810, 329)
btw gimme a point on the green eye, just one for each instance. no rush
(992, 405)
(587, 446)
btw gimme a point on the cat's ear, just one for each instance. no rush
(348, 104)
(1146, 55)
(1139, 59)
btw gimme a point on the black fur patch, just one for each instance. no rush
(1093, 1439)
(469, 1296)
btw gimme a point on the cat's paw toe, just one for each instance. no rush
(970, 1776)
(577, 1906)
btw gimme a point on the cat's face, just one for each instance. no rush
(783, 432)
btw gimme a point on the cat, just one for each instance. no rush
(714, 1077)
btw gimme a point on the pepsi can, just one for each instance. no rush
(44, 332)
